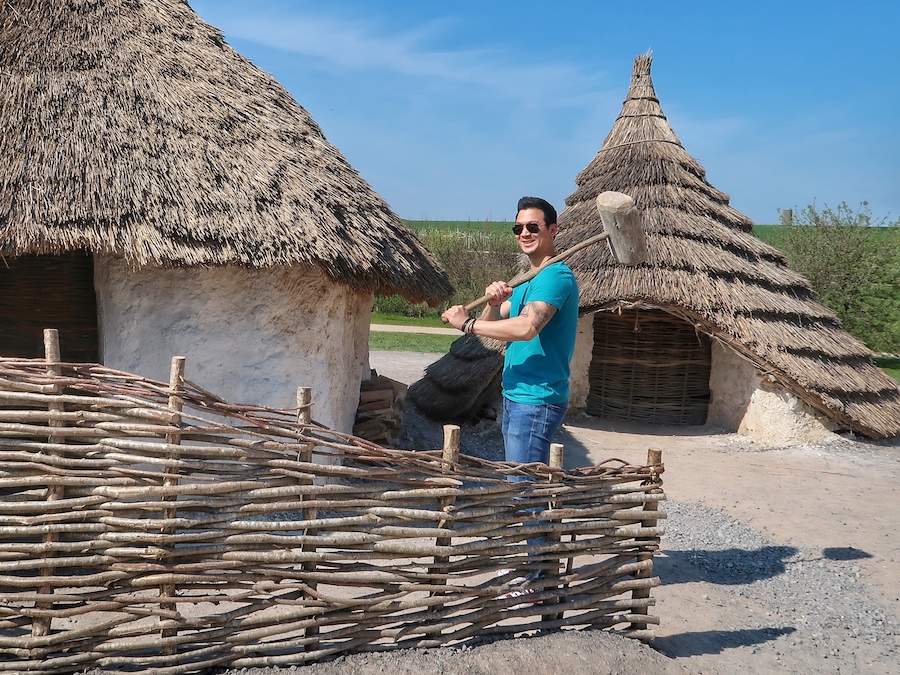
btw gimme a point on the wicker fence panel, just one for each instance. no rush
(153, 526)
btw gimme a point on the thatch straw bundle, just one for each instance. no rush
(146, 525)
(132, 129)
(458, 385)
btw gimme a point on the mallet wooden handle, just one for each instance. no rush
(533, 273)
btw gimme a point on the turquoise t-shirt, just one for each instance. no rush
(536, 371)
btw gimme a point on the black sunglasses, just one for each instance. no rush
(532, 227)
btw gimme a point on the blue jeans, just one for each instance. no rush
(528, 430)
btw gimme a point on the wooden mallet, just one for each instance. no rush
(621, 230)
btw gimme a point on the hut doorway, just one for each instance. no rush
(49, 291)
(648, 366)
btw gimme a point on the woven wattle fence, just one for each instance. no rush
(153, 526)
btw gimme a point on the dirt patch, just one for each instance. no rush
(570, 652)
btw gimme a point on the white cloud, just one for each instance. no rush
(362, 43)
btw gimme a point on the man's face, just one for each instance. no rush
(540, 242)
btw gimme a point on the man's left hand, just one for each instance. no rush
(455, 316)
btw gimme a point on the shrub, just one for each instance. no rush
(472, 259)
(395, 304)
(853, 264)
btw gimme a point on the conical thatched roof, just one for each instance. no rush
(131, 128)
(706, 267)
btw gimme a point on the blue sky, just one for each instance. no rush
(453, 110)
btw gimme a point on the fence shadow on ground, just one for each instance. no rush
(726, 567)
(716, 641)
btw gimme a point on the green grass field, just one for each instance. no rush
(401, 320)
(410, 342)
(889, 365)
(486, 226)
(773, 234)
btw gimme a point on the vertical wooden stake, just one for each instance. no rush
(654, 459)
(304, 418)
(556, 458)
(304, 399)
(173, 439)
(450, 453)
(41, 626)
(556, 462)
(450, 456)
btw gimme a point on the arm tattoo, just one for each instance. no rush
(539, 313)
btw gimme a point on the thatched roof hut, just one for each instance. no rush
(715, 320)
(134, 140)
(133, 129)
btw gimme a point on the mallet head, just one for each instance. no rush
(621, 222)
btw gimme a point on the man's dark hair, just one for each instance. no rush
(538, 203)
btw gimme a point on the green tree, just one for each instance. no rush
(853, 264)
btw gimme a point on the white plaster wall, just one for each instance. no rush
(250, 336)
(742, 402)
(579, 380)
(732, 381)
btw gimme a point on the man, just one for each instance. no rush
(538, 320)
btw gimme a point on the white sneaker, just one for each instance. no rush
(518, 592)
(522, 593)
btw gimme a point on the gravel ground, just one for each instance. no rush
(819, 602)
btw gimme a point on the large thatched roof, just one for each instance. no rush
(706, 267)
(129, 127)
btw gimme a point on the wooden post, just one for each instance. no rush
(41, 626)
(304, 399)
(304, 418)
(173, 438)
(654, 458)
(450, 456)
(556, 462)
